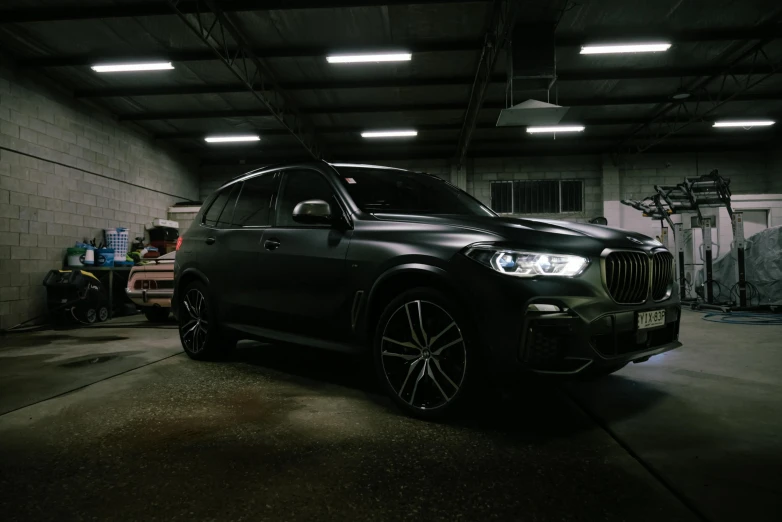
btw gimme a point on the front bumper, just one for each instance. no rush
(590, 330)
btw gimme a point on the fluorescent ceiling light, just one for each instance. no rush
(389, 134)
(752, 123)
(556, 128)
(229, 139)
(625, 48)
(368, 58)
(129, 67)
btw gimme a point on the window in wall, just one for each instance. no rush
(502, 196)
(255, 201)
(537, 196)
(571, 196)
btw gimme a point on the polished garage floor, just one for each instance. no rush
(115, 423)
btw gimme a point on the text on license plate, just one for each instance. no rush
(651, 319)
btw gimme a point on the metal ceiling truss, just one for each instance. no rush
(398, 83)
(202, 55)
(424, 128)
(227, 42)
(750, 69)
(432, 107)
(503, 19)
(131, 9)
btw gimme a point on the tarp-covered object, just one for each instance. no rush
(763, 264)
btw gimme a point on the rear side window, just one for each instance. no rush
(253, 209)
(221, 210)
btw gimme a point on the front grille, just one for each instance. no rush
(627, 276)
(662, 275)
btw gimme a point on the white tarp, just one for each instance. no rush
(763, 268)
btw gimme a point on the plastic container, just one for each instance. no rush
(104, 257)
(75, 256)
(117, 239)
(89, 257)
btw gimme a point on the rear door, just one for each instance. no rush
(241, 247)
(304, 271)
(207, 239)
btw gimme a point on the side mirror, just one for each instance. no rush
(599, 221)
(313, 212)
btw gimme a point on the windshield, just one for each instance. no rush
(402, 192)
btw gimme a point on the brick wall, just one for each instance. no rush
(66, 173)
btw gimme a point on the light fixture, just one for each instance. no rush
(745, 124)
(370, 57)
(681, 94)
(625, 48)
(556, 128)
(389, 134)
(133, 67)
(230, 139)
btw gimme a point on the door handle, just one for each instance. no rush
(271, 244)
(210, 241)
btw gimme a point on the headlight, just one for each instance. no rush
(528, 264)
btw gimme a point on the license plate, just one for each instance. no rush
(651, 319)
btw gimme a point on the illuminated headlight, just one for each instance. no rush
(528, 264)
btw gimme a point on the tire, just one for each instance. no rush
(90, 315)
(157, 314)
(103, 314)
(598, 372)
(198, 328)
(427, 371)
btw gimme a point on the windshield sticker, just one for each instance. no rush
(350, 181)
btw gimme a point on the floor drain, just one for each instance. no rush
(88, 362)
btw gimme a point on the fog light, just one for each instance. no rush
(543, 308)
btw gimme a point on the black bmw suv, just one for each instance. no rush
(436, 285)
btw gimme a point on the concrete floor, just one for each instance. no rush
(115, 423)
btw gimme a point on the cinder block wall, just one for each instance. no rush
(66, 173)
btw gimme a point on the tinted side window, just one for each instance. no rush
(301, 185)
(255, 201)
(221, 210)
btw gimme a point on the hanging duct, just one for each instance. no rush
(532, 65)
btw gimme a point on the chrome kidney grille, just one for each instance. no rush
(628, 278)
(662, 275)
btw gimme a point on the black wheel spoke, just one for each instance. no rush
(194, 330)
(424, 371)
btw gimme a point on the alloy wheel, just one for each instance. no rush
(194, 328)
(426, 371)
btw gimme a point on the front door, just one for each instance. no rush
(304, 269)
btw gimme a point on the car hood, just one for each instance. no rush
(538, 233)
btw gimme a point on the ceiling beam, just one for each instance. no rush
(405, 83)
(563, 41)
(503, 20)
(599, 122)
(584, 102)
(199, 55)
(133, 9)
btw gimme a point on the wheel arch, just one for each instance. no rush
(397, 280)
(182, 280)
